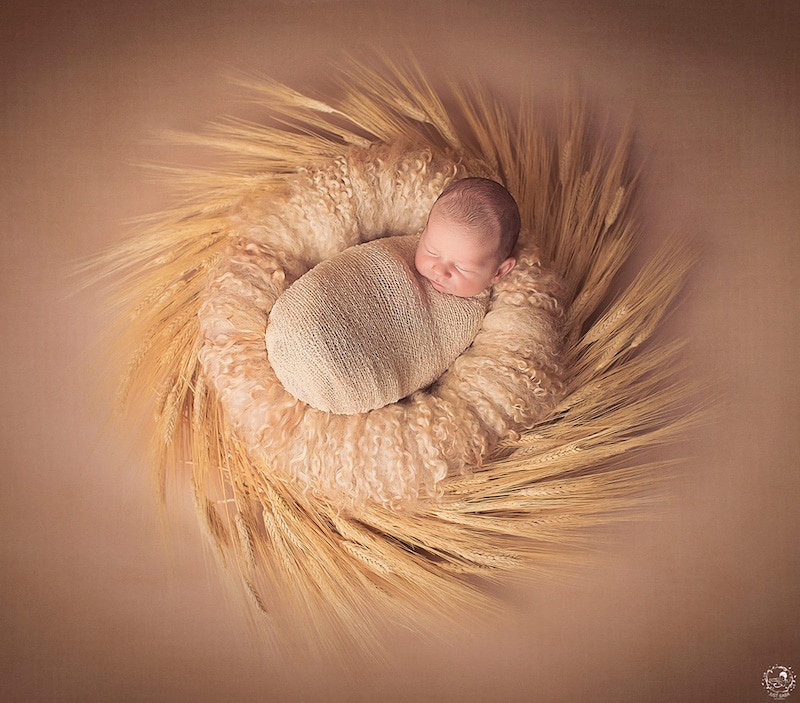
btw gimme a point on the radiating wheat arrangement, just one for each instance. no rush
(326, 569)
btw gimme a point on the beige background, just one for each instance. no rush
(694, 607)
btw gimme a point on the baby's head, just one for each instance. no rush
(471, 232)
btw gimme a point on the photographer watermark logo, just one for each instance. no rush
(779, 681)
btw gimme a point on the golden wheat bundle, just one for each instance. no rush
(335, 522)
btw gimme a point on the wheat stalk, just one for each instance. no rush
(338, 574)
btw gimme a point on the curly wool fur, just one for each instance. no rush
(507, 380)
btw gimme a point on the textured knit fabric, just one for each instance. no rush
(364, 329)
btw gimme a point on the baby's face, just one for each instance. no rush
(457, 261)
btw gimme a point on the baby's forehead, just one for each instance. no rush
(466, 233)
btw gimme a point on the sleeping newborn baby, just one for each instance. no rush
(383, 319)
(467, 242)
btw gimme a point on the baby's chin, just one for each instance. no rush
(438, 286)
(448, 291)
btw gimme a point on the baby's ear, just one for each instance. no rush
(504, 268)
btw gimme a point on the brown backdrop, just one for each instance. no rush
(96, 606)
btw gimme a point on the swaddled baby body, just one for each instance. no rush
(384, 319)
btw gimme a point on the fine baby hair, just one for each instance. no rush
(483, 206)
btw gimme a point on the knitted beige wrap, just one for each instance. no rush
(364, 329)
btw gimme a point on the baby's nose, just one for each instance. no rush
(440, 270)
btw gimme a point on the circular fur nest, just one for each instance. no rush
(511, 456)
(505, 382)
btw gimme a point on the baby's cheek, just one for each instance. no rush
(420, 263)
